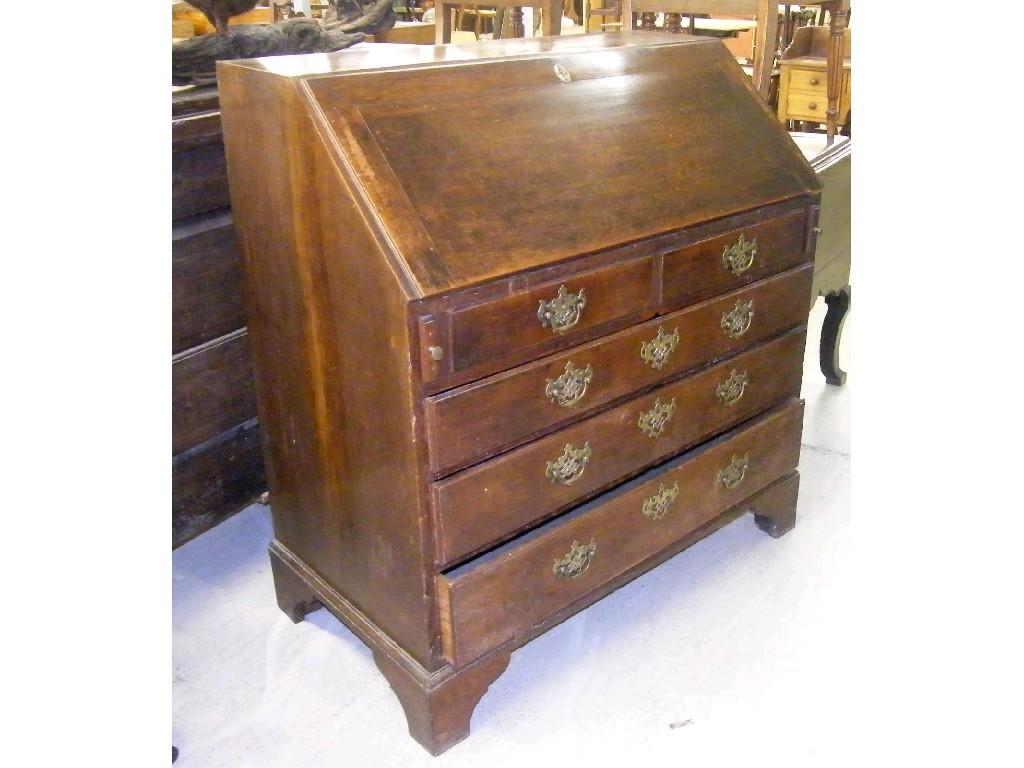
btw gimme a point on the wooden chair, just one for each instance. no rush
(551, 21)
(766, 12)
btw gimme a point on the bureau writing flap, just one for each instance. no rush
(483, 167)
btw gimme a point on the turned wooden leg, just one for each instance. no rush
(775, 507)
(831, 332)
(438, 712)
(294, 596)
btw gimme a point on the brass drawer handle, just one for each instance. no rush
(657, 506)
(656, 351)
(569, 388)
(568, 468)
(737, 320)
(576, 560)
(733, 475)
(563, 311)
(731, 390)
(652, 423)
(739, 257)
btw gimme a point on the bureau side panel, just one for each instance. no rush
(330, 355)
(376, 438)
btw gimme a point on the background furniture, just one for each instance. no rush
(804, 79)
(217, 466)
(479, 424)
(551, 20)
(764, 11)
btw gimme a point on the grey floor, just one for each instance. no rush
(734, 650)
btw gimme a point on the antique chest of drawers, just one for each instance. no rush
(497, 377)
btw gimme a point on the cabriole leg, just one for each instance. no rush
(775, 507)
(831, 334)
(439, 714)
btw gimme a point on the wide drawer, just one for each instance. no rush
(473, 421)
(560, 309)
(734, 259)
(508, 591)
(493, 500)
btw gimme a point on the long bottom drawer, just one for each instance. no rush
(502, 594)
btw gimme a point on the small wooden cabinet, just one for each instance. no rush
(482, 415)
(803, 81)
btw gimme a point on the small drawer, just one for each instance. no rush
(509, 590)
(555, 311)
(807, 80)
(728, 261)
(491, 501)
(472, 421)
(807, 106)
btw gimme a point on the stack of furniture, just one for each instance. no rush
(803, 83)
(481, 415)
(217, 466)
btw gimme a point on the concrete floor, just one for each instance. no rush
(733, 650)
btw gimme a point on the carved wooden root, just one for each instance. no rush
(439, 714)
(775, 506)
(195, 60)
(294, 596)
(831, 334)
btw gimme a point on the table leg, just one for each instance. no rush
(551, 19)
(838, 16)
(443, 21)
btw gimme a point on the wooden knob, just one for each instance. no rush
(814, 81)
(813, 105)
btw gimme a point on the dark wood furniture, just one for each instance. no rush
(482, 415)
(217, 465)
(832, 257)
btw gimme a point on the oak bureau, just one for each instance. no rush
(499, 377)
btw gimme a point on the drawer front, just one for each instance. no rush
(557, 310)
(807, 80)
(472, 421)
(493, 500)
(732, 260)
(809, 106)
(506, 592)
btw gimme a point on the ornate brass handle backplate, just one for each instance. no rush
(732, 389)
(562, 312)
(575, 561)
(568, 468)
(652, 423)
(656, 351)
(656, 507)
(739, 257)
(570, 387)
(731, 475)
(737, 320)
